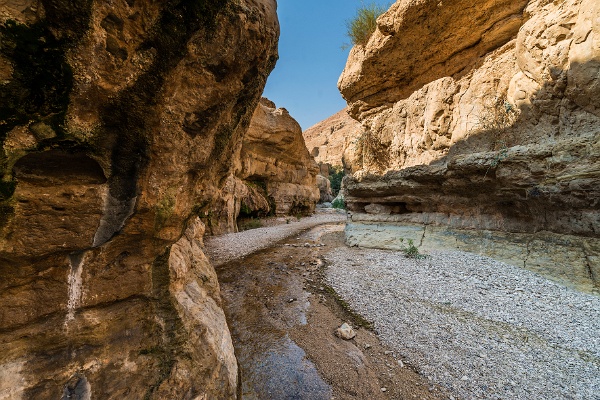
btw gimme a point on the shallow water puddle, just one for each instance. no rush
(264, 299)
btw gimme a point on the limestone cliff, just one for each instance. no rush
(333, 141)
(482, 118)
(118, 123)
(273, 172)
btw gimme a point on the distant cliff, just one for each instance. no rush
(334, 141)
(273, 173)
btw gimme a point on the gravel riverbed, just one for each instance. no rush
(479, 327)
(224, 248)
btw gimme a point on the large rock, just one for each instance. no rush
(119, 122)
(278, 174)
(419, 41)
(325, 193)
(334, 141)
(500, 136)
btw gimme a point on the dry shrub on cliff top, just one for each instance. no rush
(364, 23)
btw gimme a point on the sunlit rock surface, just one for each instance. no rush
(273, 172)
(334, 141)
(118, 125)
(487, 122)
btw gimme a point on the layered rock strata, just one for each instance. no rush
(487, 127)
(273, 172)
(118, 123)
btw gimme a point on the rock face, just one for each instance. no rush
(118, 123)
(488, 124)
(274, 155)
(273, 171)
(324, 185)
(333, 141)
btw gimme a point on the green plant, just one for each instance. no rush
(250, 224)
(412, 251)
(339, 203)
(336, 174)
(360, 28)
(164, 209)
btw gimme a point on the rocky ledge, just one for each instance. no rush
(489, 135)
(274, 173)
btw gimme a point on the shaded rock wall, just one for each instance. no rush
(488, 123)
(118, 123)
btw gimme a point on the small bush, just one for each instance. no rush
(364, 23)
(412, 251)
(338, 203)
(250, 224)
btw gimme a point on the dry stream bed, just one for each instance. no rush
(478, 328)
(283, 317)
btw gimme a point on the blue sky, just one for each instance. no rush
(310, 57)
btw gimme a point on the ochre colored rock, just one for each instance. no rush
(274, 173)
(324, 185)
(499, 136)
(334, 141)
(120, 121)
(419, 41)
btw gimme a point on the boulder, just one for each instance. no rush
(324, 189)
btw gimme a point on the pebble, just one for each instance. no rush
(345, 332)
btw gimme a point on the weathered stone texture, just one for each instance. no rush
(334, 141)
(493, 123)
(273, 172)
(118, 123)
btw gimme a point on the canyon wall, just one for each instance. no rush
(481, 131)
(273, 172)
(118, 125)
(333, 141)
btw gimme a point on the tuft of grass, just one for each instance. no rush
(361, 27)
(251, 224)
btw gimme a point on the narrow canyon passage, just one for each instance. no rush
(283, 318)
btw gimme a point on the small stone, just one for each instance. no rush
(306, 244)
(384, 389)
(367, 346)
(387, 352)
(345, 332)
(291, 300)
(401, 364)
